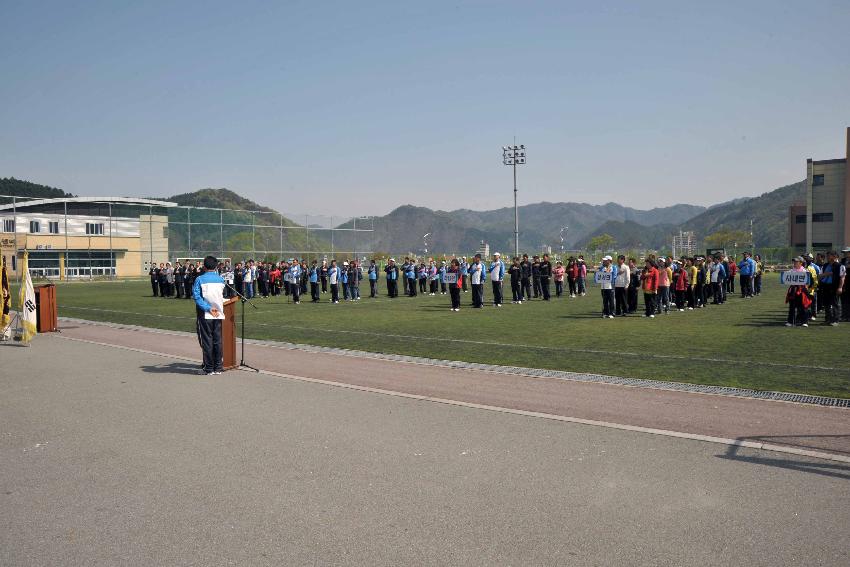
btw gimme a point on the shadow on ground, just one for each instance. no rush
(802, 464)
(172, 368)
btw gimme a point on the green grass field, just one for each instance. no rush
(743, 343)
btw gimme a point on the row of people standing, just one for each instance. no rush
(174, 281)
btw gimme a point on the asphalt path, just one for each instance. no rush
(115, 457)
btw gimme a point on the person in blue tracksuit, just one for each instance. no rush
(410, 278)
(208, 292)
(464, 271)
(422, 274)
(373, 279)
(343, 280)
(295, 279)
(746, 273)
(313, 276)
(354, 276)
(442, 275)
(392, 278)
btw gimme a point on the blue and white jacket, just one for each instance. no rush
(208, 292)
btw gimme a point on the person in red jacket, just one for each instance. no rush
(649, 284)
(731, 271)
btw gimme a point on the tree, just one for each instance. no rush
(602, 242)
(727, 238)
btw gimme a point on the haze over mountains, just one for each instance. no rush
(462, 230)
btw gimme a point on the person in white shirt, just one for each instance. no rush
(476, 280)
(621, 286)
(497, 274)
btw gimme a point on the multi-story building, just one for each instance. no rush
(827, 207)
(85, 236)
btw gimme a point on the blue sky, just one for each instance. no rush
(356, 108)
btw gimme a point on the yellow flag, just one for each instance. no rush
(26, 303)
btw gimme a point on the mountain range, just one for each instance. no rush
(405, 228)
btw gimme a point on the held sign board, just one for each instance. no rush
(794, 278)
(451, 277)
(601, 276)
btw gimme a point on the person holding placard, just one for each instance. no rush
(454, 280)
(797, 297)
(606, 276)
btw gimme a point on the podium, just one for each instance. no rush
(46, 309)
(228, 334)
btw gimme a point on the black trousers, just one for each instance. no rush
(525, 288)
(746, 286)
(454, 291)
(516, 290)
(620, 299)
(411, 287)
(845, 302)
(179, 286)
(537, 290)
(209, 337)
(314, 291)
(155, 288)
(334, 292)
(827, 297)
(649, 303)
(607, 302)
(392, 288)
(296, 293)
(797, 314)
(497, 293)
(373, 288)
(559, 288)
(324, 284)
(632, 299)
(477, 295)
(544, 287)
(571, 282)
(757, 284)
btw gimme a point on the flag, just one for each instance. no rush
(26, 303)
(6, 295)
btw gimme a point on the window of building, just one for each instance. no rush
(93, 228)
(54, 227)
(8, 225)
(165, 232)
(817, 180)
(821, 217)
(800, 219)
(822, 245)
(35, 227)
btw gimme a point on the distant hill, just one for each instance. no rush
(19, 188)
(217, 199)
(768, 211)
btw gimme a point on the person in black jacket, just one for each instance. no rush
(392, 278)
(525, 280)
(535, 276)
(545, 275)
(515, 271)
(163, 280)
(154, 274)
(179, 272)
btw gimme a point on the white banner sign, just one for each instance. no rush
(794, 278)
(601, 276)
(451, 277)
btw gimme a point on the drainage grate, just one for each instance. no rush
(522, 371)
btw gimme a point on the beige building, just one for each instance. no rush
(827, 220)
(85, 236)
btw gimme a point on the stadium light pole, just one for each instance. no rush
(514, 155)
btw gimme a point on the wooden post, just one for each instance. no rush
(228, 334)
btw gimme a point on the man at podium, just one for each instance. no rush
(208, 292)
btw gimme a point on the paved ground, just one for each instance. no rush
(115, 457)
(804, 427)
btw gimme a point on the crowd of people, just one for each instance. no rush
(665, 283)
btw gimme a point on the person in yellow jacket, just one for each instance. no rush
(812, 289)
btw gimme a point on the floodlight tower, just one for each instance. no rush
(514, 156)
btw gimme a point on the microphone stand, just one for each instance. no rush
(244, 300)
